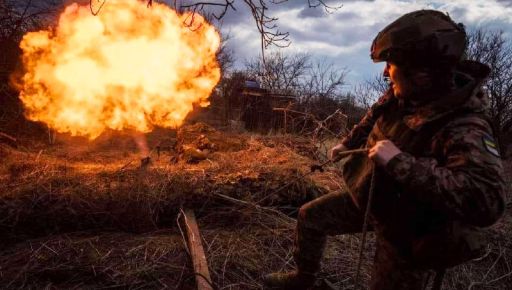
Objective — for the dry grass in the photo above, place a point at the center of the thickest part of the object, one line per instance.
(97, 260)
(67, 189)
(84, 215)
(97, 190)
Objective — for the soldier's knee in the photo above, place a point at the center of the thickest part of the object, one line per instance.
(304, 217)
(303, 212)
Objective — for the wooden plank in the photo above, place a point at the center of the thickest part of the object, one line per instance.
(197, 254)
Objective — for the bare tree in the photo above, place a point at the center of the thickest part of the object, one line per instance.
(19, 16)
(16, 18)
(316, 86)
(379, 84)
(297, 74)
(494, 49)
(283, 73)
(323, 80)
(211, 9)
(364, 95)
(367, 92)
(225, 55)
(266, 24)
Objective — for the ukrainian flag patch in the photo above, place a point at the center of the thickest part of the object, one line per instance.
(490, 146)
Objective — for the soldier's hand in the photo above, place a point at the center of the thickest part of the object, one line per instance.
(333, 153)
(383, 151)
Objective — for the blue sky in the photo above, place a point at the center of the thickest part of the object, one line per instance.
(344, 37)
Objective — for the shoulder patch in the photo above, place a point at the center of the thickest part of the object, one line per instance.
(490, 146)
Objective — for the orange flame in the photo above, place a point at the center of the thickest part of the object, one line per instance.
(130, 67)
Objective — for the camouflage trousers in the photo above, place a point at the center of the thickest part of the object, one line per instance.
(336, 214)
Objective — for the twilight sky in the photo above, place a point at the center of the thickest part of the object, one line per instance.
(344, 37)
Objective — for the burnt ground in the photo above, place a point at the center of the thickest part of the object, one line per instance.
(80, 214)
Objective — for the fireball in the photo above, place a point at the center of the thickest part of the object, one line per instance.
(129, 67)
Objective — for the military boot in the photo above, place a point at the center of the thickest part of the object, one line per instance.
(294, 280)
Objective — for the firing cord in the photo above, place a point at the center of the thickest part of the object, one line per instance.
(439, 274)
(364, 230)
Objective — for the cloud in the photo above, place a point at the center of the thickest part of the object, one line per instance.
(307, 12)
(478, 12)
(345, 36)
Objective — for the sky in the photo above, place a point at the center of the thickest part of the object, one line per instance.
(344, 36)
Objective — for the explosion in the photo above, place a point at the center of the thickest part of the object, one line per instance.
(129, 67)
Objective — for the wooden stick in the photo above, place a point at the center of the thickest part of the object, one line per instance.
(253, 205)
(348, 152)
(8, 139)
(203, 279)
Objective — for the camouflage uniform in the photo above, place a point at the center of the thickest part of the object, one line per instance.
(430, 200)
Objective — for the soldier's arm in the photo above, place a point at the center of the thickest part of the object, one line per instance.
(469, 185)
(360, 132)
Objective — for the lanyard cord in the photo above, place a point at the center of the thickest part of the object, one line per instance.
(364, 230)
(439, 275)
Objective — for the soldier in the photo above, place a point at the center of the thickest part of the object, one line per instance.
(438, 176)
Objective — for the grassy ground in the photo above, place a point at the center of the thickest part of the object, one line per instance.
(85, 215)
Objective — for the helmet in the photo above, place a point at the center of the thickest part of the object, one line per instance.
(420, 38)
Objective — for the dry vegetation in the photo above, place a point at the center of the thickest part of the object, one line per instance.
(84, 215)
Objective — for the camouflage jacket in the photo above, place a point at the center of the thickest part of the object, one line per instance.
(448, 180)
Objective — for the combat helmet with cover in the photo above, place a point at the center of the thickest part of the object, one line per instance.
(420, 38)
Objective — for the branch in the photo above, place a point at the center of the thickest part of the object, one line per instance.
(95, 13)
(328, 9)
(199, 7)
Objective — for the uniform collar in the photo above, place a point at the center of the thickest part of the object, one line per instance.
(466, 95)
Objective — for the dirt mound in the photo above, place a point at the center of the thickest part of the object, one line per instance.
(197, 134)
